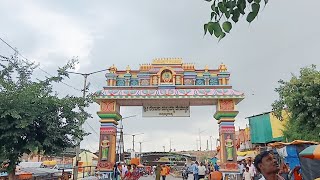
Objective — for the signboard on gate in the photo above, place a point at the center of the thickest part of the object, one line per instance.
(165, 111)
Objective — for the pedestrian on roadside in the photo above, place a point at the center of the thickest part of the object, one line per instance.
(195, 171)
(247, 175)
(116, 172)
(168, 169)
(128, 174)
(135, 172)
(124, 170)
(164, 172)
(241, 168)
(252, 169)
(202, 171)
(157, 172)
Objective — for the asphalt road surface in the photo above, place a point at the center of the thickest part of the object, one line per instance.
(169, 177)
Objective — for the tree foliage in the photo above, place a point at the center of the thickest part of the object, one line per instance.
(224, 12)
(301, 98)
(33, 116)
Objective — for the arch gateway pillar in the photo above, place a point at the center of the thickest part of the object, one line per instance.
(225, 115)
(170, 84)
(109, 117)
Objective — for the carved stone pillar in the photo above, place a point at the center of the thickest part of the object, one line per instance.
(109, 114)
(225, 115)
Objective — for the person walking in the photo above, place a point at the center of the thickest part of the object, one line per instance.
(157, 172)
(164, 172)
(241, 169)
(202, 171)
(124, 170)
(128, 173)
(116, 172)
(135, 172)
(252, 169)
(195, 171)
(247, 175)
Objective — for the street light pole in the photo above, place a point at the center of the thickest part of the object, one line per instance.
(85, 75)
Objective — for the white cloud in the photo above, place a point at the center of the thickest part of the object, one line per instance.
(57, 34)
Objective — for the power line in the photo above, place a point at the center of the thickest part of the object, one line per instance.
(29, 62)
(92, 129)
(88, 142)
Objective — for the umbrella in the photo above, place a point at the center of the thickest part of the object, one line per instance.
(312, 152)
(140, 166)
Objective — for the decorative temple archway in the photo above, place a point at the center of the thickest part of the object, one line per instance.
(167, 82)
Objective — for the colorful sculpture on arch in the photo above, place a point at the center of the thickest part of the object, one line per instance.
(105, 144)
(230, 147)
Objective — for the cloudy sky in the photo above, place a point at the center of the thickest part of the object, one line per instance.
(284, 38)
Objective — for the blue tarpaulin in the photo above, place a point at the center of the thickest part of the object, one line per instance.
(293, 156)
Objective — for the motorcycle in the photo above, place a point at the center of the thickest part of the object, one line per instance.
(184, 174)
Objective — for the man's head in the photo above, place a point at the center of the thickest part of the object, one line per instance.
(265, 163)
(249, 162)
(247, 169)
(129, 167)
(134, 166)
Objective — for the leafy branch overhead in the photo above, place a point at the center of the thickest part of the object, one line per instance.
(230, 9)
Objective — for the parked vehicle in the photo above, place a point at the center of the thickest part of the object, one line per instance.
(64, 169)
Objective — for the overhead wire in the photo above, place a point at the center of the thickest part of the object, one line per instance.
(88, 142)
(29, 62)
(92, 129)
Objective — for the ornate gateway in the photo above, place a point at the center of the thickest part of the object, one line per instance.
(167, 85)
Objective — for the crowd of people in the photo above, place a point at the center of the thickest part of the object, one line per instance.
(126, 172)
(202, 170)
(263, 167)
(132, 172)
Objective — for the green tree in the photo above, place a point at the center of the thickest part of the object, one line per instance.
(301, 98)
(224, 12)
(33, 116)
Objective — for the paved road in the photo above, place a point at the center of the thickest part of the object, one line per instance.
(170, 177)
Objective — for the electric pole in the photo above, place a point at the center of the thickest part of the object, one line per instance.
(211, 142)
(121, 143)
(133, 135)
(85, 75)
(200, 137)
(140, 150)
